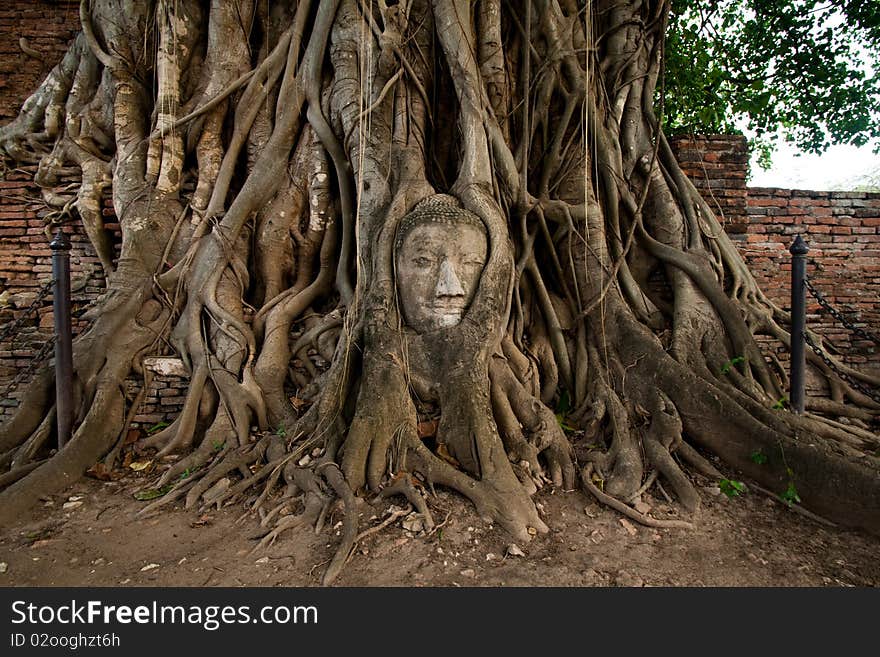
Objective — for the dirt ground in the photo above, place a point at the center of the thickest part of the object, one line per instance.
(751, 540)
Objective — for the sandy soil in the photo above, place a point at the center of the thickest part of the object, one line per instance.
(752, 540)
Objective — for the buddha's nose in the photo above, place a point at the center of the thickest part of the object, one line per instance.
(448, 284)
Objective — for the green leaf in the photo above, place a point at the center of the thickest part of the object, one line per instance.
(758, 457)
(790, 494)
(726, 367)
(563, 423)
(732, 487)
(156, 427)
(564, 404)
(152, 493)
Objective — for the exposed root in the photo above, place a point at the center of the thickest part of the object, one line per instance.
(628, 511)
(402, 485)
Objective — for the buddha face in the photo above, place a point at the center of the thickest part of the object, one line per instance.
(438, 270)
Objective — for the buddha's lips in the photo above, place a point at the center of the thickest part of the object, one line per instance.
(448, 307)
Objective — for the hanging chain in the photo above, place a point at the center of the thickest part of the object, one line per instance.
(16, 324)
(41, 355)
(45, 348)
(852, 381)
(836, 314)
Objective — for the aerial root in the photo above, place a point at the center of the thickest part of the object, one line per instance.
(333, 474)
(628, 511)
(403, 485)
(15, 474)
(313, 484)
(237, 460)
(517, 410)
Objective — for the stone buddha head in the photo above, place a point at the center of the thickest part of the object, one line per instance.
(440, 252)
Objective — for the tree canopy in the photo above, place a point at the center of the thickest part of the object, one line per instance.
(799, 70)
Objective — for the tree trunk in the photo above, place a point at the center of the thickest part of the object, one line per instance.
(452, 232)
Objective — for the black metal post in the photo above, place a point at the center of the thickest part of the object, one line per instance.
(63, 336)
(798, 252)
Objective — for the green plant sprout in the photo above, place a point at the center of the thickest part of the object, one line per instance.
(726, 367)
(732, 487)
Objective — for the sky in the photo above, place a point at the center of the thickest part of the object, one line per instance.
(839, 168)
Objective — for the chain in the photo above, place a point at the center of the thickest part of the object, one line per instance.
(39, 357)
(16, 324)
(836, 314)
(856, 385)
(41, 354)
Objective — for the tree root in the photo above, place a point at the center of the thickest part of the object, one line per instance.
(629, 512)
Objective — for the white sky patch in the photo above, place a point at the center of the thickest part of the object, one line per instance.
(839, 168)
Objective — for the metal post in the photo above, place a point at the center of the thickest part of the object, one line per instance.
(798, 252)
(63, 336)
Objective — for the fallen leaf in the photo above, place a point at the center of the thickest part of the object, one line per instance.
(202, 521)
(3, 567)
(149, 566)
(642, 507)
(428, 428)
(444, 454)
(628, 526)
(67, 506)
(133, 436)
(140, 465)
(513, 550)
(101, 472)
(414, 523)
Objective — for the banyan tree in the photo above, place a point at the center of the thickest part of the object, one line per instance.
(403, 239)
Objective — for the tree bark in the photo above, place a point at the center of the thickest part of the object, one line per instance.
(261, 184)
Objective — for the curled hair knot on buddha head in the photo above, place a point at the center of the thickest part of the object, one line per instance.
(438, 209)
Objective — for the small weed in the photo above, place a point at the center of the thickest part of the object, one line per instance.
(732, 487)
(562, 408)
(156, 427)
(780, 403)
(758, 457)
(563, 423)
(790, 495)
(153, 493)
(185, 474)
(218, 445)
(726, 367)
(280, 431)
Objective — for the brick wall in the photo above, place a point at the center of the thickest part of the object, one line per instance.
(47, 26)
(840, 227)
(718, 166)
(842, 230)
